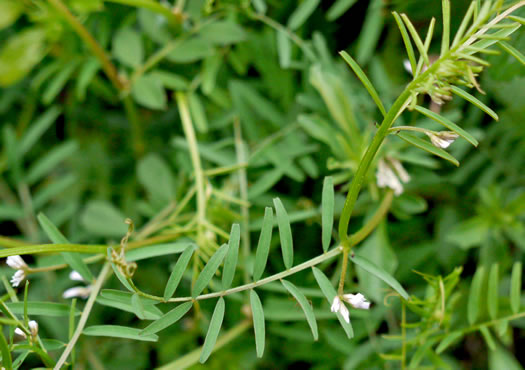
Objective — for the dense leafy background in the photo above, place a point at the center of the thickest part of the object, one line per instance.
(72, 150)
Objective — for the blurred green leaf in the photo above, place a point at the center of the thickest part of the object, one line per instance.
(115, 331)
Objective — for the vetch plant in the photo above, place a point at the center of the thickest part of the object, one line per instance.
(216, 269)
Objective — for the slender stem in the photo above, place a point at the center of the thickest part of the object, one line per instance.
(150, 5)
(11, 243)
(193, 357)
(189, 132)
(403, 336)
(85, 314)
(340, 290)
(84, 34)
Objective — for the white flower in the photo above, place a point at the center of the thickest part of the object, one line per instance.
(20, 333)
(338, 306)
(357, 301)
(386, 177)
(78, 291)
(16, 262)
(75, 276)
(18, 277)
(33, 327)
(400, 170)
(443, 139)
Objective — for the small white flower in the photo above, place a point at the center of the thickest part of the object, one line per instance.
(33, 327)
(20, 333)
(387, 178)
(443, 139)
(75, 276)
(18, 277)
(400, 170)
(357, 301)
(78, 291)
(16, 262)
(338, 306)
(407, 65)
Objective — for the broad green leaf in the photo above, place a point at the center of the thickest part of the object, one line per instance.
(515, 287)
(285, 233)
(72, 259)
(138, 308)
(301, 13)
(101, 218)
(258, 322)
(448, 124)
(210, 71)
(263, 247)
(40, 309)
(330, 293)
(117, 272)
(469, 233)
(284, 49)
(155, 251)
(380, 273)
(475, 305)
(20, 53)
(7, 361)
(178, 271)
(213, 330)
(127, 47)
(501, 359)
(364, 80)
(447, 341)
(37, 129)
(305, 305)
(154, 173)
(191, 50)
(512, 51)
(44, 165)
(168, 319)
(470, 98)
(327, 214)
(170, 80)
(223, 32)
(209, 270)
(427, 146)
(338, 8)
(115, 331)
(492, 291)
(230, 263)
(149, 92)
(406, 40)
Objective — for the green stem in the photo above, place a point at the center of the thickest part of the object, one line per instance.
(84, 34)
(360, 174)
(396, 129)
(85, 314)
(150, 5)
(191, 139)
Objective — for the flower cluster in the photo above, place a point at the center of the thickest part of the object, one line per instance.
(442, 139)
(17, 263)
(355, 300)
(78, 291)
(33, 328)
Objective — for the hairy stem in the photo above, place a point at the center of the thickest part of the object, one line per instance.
(85, 314)
(84, 34)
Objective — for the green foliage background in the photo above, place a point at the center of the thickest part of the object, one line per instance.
(88, 155)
